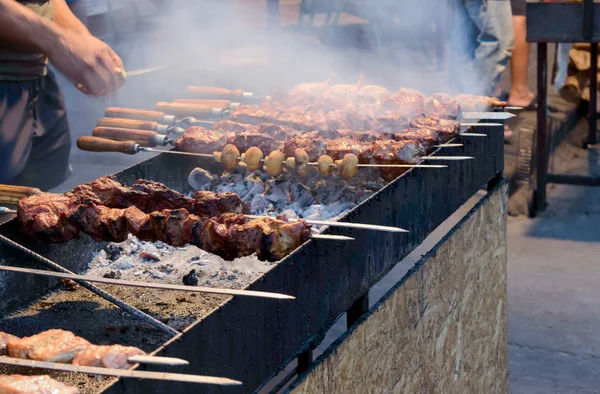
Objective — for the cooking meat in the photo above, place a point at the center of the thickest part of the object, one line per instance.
(443, 106)
(471, 103)
(263, 113)
(445, 129)
(302, 119)
(279, 132)
(339, 147)
(46, 216)
(427, 138)
(201, 140)
(348, 119)
(312, 90)
(228, 126)
(101, 222)
(4, 338)
(373, 93)
(37, 384)
(404, 102)
(168, 226)
(52, 345)
(159, 197)
(399, 152)
(114, 356)
(106, 190)
(215, 204)
(245, 140)
(392, 122)
(313, 146)
(233, 235)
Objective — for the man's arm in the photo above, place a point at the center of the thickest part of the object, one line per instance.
(21, 25)
(65, 18)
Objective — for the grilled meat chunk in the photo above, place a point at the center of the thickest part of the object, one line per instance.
(313, 146)
(228, 126)
(443, 106)
(168, 226)
(373, 93)
(37, 384)
(114, 356)
(201, 140)
(246, 140)
(100, 222)
(108, 191)
(52, 345)
(139, 223)
(266, 112)
(472, 103)
(426, 137)
(392, 122)
(160, 197)
(4, 338)
(445, 129)
(215, 204)
(302, 118)
(233, 235)
(351, 119)
(405, 101)
(339, 147)
(395, 152)
(46, 215)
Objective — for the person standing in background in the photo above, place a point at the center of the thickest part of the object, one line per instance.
(519, 95)
(34, 132)
(481, 42)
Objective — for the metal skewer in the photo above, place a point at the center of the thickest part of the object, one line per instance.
(150, 285)
(481, 124)
(343, 224)
(487, 115)
(122, 373)
(156, 360)
(447, 157)
(121, 304)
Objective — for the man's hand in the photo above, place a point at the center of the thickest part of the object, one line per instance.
(91, 63)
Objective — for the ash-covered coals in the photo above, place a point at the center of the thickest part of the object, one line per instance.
(313, 198)
(158, 262)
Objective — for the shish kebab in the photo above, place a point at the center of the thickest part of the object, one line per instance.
(275, 162)
(215, 222)
(63, 346)
(204, 204)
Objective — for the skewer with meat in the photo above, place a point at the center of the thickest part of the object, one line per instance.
(177, 226)
(64, 347)
(37, 384)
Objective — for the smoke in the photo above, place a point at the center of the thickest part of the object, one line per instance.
(228, 44)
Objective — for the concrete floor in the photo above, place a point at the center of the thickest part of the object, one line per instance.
(553, 305)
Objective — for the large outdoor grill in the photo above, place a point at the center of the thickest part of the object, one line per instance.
(253, 339)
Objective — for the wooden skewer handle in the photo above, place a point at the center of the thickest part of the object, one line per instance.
(128, 123)
(96, 144)
(222, 104)
(216, 93)
(139, 114)
(142, 137)
(10, 194)
(184, 110)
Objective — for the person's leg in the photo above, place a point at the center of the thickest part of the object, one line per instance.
(494, 42)
(520, 94)
(48, 164)
(16, 128)
(462, 47)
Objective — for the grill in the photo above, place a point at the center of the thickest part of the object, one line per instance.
(252, 339)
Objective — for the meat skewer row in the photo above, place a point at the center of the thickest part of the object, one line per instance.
(149, 196)
(63, 346)
(59, 218)
(388, 155)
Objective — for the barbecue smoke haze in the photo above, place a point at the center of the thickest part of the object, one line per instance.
(228, 44)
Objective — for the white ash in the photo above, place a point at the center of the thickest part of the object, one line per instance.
(313, 198)
(129, 260)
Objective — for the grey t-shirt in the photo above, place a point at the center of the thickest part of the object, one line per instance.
(20, 64)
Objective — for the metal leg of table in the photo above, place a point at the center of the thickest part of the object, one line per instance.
(542, 129)
(591, 140)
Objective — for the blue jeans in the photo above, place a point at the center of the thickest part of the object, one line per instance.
(482, 38)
